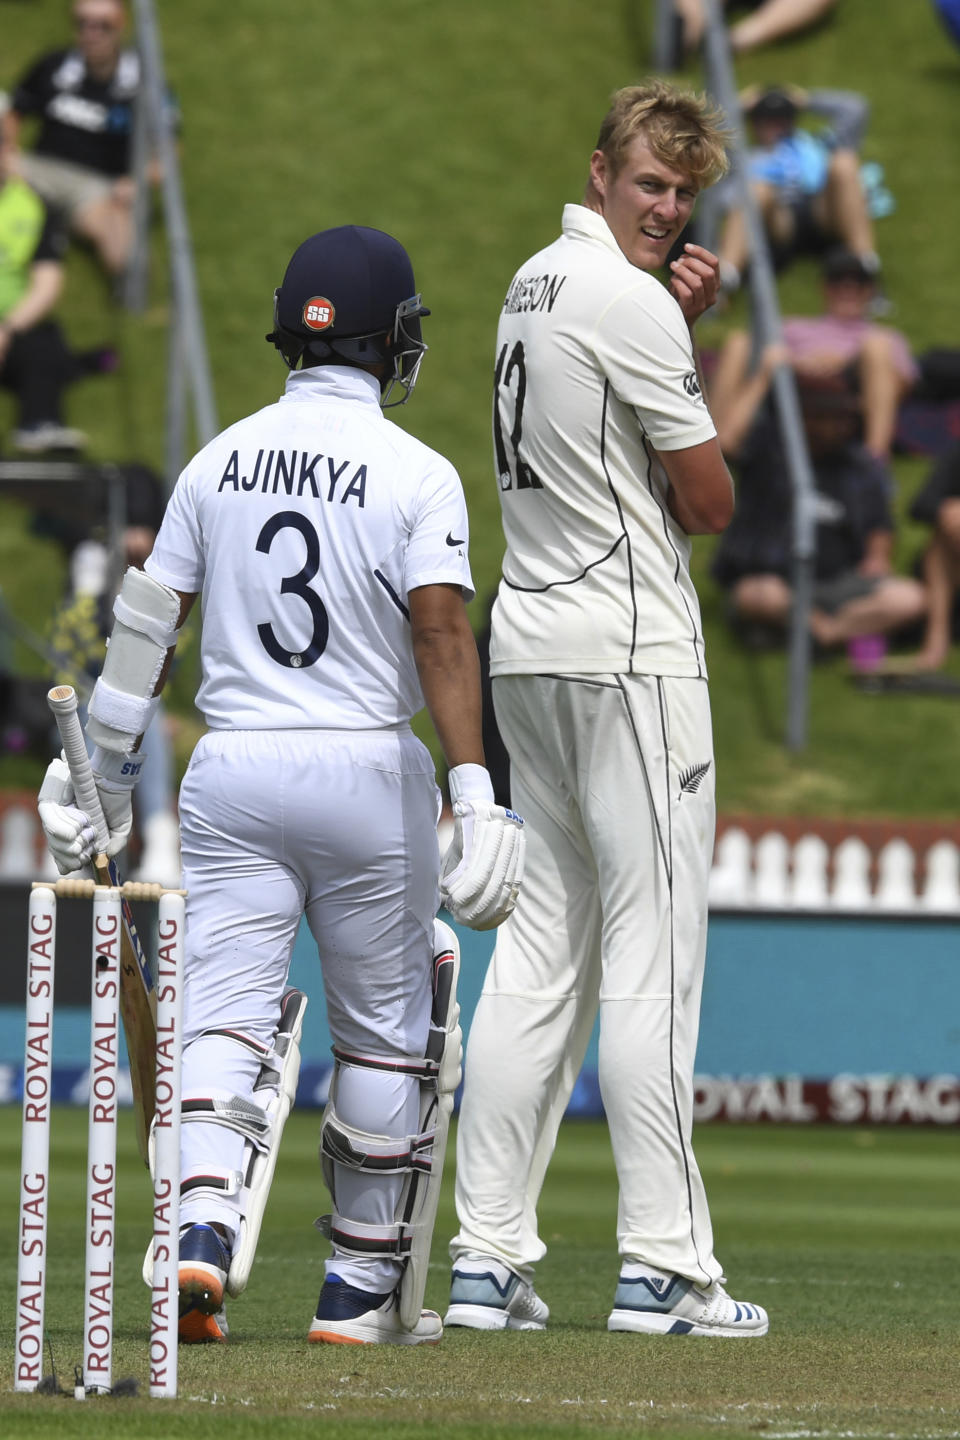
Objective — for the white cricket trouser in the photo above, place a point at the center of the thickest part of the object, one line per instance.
(341, 828)
(614, 777)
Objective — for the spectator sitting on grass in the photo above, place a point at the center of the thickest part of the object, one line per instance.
(807, 185)
(874, 362)
(769, 20)
(35, 362)
(855, 591)
(937, 504)
(83, 97)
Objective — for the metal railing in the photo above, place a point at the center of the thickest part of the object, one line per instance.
(188, 370)
(718, 66)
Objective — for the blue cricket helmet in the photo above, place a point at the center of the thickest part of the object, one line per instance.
(348, 297)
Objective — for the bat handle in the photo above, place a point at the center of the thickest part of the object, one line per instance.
(62, 700)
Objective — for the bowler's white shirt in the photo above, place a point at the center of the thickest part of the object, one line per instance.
(305, 526)
(596, 357)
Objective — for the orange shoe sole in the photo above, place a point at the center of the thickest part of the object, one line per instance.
(195, 1328)
(328, 1337)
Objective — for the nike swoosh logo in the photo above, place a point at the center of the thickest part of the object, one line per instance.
(451, 541)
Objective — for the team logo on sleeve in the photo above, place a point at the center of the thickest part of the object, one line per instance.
(318, 313)
(692, 385)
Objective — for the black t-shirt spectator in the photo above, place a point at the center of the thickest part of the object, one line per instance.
(83, 120)
(851, 503)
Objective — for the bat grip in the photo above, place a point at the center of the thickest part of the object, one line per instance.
(62, 700)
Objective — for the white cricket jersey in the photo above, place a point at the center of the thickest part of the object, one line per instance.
(594, 366)
(306, 526)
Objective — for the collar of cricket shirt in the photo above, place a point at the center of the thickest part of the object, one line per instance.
(332, 382)
(582, 223)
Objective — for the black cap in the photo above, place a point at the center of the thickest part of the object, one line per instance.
(846, 265)
(773, 104)
(344, 282)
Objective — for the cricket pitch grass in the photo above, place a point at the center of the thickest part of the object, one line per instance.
(850, 1238)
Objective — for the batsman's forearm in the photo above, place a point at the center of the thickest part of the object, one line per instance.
(449, 673)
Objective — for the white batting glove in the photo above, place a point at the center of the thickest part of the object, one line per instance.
(71, 839)
(482, 870)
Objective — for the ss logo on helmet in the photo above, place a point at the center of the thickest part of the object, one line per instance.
(318, 313)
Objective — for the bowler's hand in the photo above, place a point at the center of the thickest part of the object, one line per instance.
(695, 281)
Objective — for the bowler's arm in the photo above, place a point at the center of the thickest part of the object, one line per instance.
(700, 496)
(700, 493)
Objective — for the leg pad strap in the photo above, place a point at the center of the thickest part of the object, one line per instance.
(364, 1241)
(233, 1111)
(359, 1150)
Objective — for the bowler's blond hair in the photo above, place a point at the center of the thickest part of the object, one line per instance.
(684, 130)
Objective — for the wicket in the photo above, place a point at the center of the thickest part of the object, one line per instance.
(96, 1376)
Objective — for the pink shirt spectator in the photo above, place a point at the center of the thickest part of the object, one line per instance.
(808, 335)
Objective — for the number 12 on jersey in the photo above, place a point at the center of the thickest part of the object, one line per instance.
(519, 475)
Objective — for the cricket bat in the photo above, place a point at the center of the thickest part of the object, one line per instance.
(138, 998)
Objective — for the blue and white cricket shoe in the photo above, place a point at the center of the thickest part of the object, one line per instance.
(202, 1277)
(485, 1294)
(656, 1303)
(348, 1316)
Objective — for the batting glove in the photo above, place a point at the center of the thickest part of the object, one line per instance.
(482, 870)
(71, 838)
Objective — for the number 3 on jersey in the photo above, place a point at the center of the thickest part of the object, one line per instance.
(517, 475)
(299, 585)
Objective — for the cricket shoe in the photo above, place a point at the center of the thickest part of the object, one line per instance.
(195, 1328)
(485, 1294)
(657, 1303)
(203, 1269)
(348, 1316)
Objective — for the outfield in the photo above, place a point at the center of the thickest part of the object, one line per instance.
(849, 1237)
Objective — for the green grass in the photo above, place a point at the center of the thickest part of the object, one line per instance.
(849, 1237)
(463, 129)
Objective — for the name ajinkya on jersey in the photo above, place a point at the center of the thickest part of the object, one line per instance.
(280, 471)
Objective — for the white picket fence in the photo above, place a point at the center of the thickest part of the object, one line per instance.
(768, 872)
(771, 873)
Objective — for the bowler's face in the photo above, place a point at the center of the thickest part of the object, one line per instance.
(646, 204)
